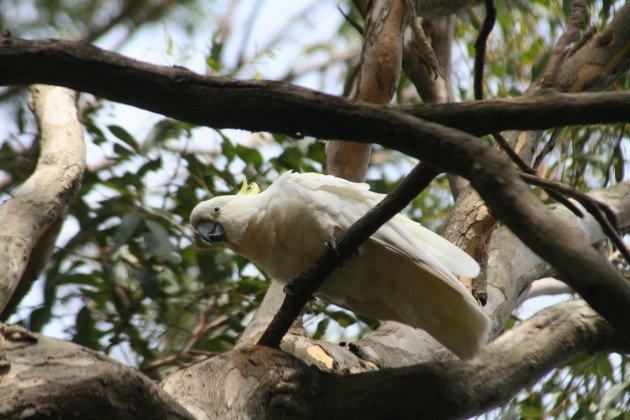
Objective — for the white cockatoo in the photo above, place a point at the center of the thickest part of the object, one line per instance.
(404, 272)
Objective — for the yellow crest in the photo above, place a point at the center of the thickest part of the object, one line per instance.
(248, 189)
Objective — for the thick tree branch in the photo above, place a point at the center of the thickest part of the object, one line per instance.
(39, 202)
(182, 94)
(266, 106)
(441, 389)
(546, 287)
(547, 110)
(515, 360)
(41, 377)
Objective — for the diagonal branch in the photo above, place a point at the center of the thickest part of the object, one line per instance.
(606, 218)
(304, 286)
(269, 106)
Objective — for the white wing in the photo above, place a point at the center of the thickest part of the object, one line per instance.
(406, 272)
(344, 202)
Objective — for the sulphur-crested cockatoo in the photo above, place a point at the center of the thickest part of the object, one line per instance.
(404, 272)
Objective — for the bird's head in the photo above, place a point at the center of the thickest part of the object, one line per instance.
(224, 219)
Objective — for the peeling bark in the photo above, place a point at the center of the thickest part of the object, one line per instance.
(378, 76)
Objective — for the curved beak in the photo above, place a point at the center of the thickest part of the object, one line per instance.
(211, 232)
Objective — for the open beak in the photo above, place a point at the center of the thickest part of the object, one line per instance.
(211, 232)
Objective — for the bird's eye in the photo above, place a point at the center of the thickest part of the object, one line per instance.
(217, 209)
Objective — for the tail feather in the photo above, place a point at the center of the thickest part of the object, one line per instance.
(413, 296)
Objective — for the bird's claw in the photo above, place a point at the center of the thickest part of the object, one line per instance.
(331, 245)
(290, 288)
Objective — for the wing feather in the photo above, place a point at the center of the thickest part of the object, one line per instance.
(345, 202)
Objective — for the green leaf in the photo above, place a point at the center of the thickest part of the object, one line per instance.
(321, 329)
(161, 131)
(84, 326)
(249, 155)
(291, 158)
(342, 318)
(157, 243)
(619, 163)
(227, 147)
(123, 135)
(125, 230)
(148, 282)
(38, 318)
(151, 166)
(613, 393)
(567, 6)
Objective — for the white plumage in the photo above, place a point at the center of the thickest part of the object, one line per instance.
(404, 272)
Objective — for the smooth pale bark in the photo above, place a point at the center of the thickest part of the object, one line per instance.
(40, 201)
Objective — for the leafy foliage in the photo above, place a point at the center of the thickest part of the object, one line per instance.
(129, 278)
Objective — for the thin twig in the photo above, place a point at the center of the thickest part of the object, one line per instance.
(304, 286)
(502, 142)
(352, 21)
(547, 148)
(480, 48)
(604, 215)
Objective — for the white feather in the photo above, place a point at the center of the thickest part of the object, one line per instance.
(404, 272)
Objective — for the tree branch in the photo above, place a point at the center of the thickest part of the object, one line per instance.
(179, 93)
(447, 389)
(579, 14)
(515, 360)
(268, 106)
(41, 377)
(606, 218)
(378, 74)
(39, 202)
(510, 269)
(480, 47)
(305, 286)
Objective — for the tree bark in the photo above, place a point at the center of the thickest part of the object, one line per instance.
(260, 382)
(41, 377)
(377, 80)
(40, 201)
